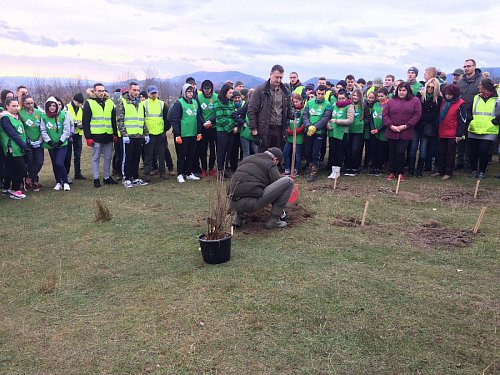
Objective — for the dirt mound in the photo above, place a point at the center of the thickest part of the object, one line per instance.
(342, 221)
(254, 222)
(433, 234)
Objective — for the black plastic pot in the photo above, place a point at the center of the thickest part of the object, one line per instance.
(215, 251)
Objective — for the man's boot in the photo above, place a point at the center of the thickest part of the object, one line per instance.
(411, 167)
(275, 222)
(313, 171)
(420, 167)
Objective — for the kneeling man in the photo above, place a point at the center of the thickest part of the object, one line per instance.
(257, 183)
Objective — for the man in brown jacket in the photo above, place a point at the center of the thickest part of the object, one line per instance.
(270, 109)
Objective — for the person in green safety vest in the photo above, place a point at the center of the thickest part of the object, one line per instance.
(55, 129)
(15, 147)
(483, 128)
(4, 95)
(207, 99)
(377, 133)
(31, 117)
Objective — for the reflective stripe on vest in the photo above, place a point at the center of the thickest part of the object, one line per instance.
(133, 121)
(482, 114)
(100, 123)
(76, 117)
(154, 116)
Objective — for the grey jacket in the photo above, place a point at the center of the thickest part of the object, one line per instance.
(469, 89)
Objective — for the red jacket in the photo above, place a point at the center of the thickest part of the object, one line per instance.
(450, 124)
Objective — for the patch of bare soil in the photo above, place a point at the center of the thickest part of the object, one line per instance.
(342, 221)
(254, 222)
(465, 196)
(433, 234)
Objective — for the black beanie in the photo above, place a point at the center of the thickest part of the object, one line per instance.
(276, 152)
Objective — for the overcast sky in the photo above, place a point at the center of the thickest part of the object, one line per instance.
(102, 39)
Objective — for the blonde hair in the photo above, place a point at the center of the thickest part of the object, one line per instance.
(437, 90)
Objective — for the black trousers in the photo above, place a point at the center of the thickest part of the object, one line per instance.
(338, 148)
(117, 162)
(156, 146)
(185, 155)
(208, 141)
(446, 159)
(234, 155)
(479, 152)
(224, 146)
(378, 150)
(67, 159)
(131, 158)
(274, 138)
(15, 169)
(354, 151)
(77, 154)
(397, 152)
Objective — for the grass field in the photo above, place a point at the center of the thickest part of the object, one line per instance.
(412, 292)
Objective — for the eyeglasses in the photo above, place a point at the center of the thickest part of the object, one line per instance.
(468, 66)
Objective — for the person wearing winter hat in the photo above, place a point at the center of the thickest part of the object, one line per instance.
(411, 76)
(483, 128)
(457, 75)
(55, 129)
(258, 183)
(238, 86)
(186, 125)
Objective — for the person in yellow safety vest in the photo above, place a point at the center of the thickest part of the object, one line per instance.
(483, 128)
(75, 110)
(155, 117)
(99, 127)
(134, 132)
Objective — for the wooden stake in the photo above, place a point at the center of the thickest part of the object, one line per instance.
(477, 188)
(397, 186)
(232, 230)
(364, 214)
(479, 219)
(335, 183)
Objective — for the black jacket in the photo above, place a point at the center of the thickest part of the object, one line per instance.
(87, 117)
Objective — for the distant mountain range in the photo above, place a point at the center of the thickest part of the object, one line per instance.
(218, 78)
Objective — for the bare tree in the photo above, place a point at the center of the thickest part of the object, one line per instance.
(151, 76)
(125, 77)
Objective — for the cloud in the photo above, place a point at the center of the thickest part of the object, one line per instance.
(16, 33)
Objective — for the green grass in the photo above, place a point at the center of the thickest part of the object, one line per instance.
(132, 296)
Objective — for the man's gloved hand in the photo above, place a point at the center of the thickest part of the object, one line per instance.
(90, 142)
(146, 139)
(115, 138)
(178, 140)
(126, 140)
(199, 137)
(311, 130)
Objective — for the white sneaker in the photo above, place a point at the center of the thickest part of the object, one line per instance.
(192, 177)
(180, 179)
(128, 184)
(66, 187)
(139, 182)
(58, 186)
(332, 175)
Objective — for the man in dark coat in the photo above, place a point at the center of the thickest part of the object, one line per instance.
(269, 110)
(257, 183)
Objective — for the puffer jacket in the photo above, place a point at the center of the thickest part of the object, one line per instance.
(469, 88)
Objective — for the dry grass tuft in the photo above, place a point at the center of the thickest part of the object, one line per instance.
(103, 212)
(48, 284)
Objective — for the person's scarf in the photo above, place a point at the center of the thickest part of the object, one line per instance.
(51, 114)
(343, 103)
(446, 107)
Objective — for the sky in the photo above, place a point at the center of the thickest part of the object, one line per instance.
(107, 40)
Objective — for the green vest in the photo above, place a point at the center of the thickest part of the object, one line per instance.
(153, 110)
(76, 117)
(133, 119)
(338, 130)
(100, 123)
(415, 88)
(31, 123)
(207, 106)
(189, 120)
(377, 120)
(332, 99)
(482, 114)
(7, 142)
(358, 125)
(316, 111)
(54, 127)
(245, 131)
(300, 137)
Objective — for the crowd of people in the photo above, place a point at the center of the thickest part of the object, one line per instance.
(405, 127)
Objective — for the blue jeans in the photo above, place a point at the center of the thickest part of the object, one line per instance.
(57, 156)
(287, 153)
(248, 147)
(419, 139)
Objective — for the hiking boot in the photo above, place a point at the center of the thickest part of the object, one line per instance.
(313, 172)
(110, 181)
(238, 220)
(275, 222)
(80, 177)
(97, 183)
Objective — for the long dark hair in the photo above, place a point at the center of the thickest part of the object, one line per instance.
(223, 91)
(407, 86)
